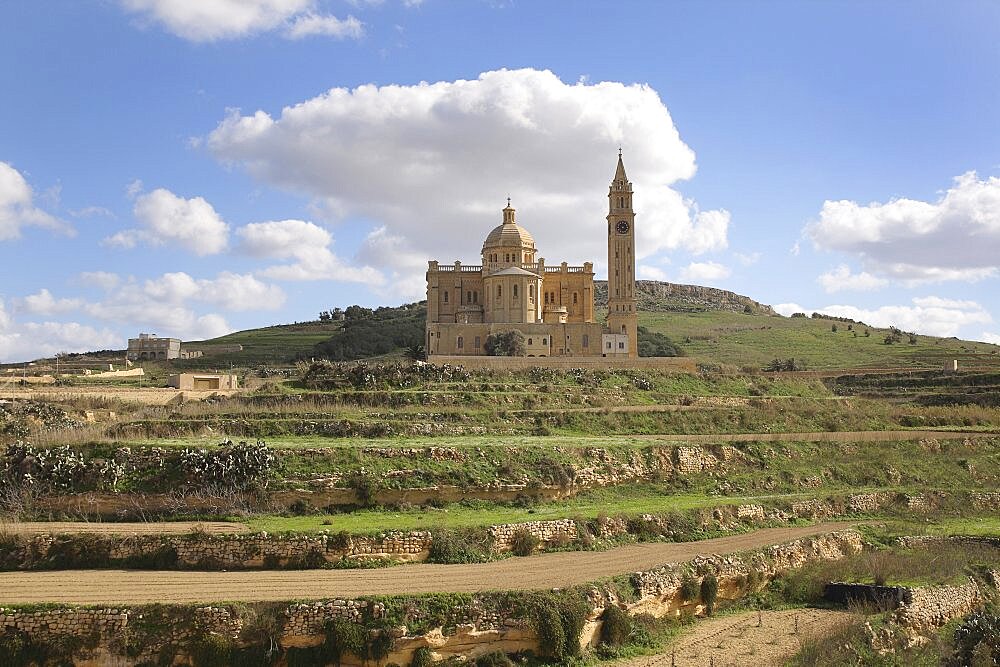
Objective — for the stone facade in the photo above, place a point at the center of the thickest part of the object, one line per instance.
(150, 347)
(551, 305)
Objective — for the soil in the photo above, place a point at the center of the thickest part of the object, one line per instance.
(735, 641)
(152, 528)
(559, 569)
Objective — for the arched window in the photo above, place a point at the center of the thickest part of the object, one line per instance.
(515, 291)
(499, 291)
(574, 298)
(529, 341)
(546, 297)
(468, 296)
(623, 328)
(545, 341)
(460, 342)
(475, 297)
(446, 297)
(586, 340)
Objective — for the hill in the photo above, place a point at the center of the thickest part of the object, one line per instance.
(655, 296)
(713, 326)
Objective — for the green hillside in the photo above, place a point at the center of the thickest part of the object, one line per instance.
(714, 327)
(753, 341)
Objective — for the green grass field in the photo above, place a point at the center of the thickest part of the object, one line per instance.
(752, 341)
(627, 501)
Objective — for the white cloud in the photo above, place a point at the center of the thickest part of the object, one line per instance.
(92, 211)
(310, 24)
(842, 279)
(433, 162)
(211, 20)
(100, 279)
(44, 303)
(710, 271)
(929, 315)
(988, 337)
(795, 249)
(17, 208)
(165, 305)
(30, 340)
(647, 272)
(230, 291)
(307, 245)
(747, 259)
(956, 237)
(166, 218)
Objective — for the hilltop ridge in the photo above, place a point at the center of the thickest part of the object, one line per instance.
(657, 296)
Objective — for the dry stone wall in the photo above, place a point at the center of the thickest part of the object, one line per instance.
(547, 532)
(925, 609)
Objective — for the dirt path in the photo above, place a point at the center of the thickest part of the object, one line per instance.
(820, 436)
(543, 571)
(735, 641)
(160, 528)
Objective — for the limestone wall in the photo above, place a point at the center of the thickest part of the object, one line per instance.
(547, 532)
(660, 590)
(928, 608)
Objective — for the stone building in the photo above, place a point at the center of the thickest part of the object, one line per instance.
(150, 347)
(203, 381)
(551, 305)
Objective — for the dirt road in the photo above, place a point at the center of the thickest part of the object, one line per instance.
(160, 528)
(550, 570)
(735, 641)
(821, 436)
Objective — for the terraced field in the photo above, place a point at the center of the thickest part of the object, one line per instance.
(308, 487)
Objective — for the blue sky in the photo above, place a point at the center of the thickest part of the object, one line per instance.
(192, 167)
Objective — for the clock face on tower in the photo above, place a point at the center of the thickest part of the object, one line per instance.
(622, 227)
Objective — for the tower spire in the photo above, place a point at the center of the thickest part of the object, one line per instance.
(620, 171)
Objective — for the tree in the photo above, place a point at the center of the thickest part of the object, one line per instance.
(416, 353)
(505, 344)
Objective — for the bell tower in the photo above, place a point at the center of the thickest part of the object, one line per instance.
(622, 316)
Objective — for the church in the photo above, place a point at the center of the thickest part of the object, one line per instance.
(551, 305)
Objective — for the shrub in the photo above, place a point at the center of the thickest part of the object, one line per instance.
(450, 547)
(523, 542)
(343, 636)
(211, 651)
(494, 659)
(689, 587)
(422, 657)
(240, 466)
(559, 620)
(617, 626)
(709, 592)
(977, 639)
(505, 344)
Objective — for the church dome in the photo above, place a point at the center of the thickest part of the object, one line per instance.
(509, 234)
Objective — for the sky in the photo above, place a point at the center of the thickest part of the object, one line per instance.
(195, 167)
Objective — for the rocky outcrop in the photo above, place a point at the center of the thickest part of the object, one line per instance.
(659, 296)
